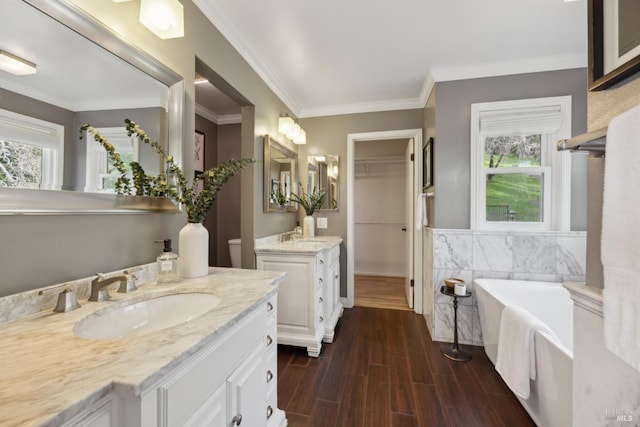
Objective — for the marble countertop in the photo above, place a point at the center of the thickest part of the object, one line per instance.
(297, 246)
(49, 375)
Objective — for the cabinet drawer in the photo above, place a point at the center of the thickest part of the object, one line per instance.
(272, 306)
(271, 373)
(320, 262)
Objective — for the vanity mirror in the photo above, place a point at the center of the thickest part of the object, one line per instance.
(280, 176)
(323, 175)
(85, 73)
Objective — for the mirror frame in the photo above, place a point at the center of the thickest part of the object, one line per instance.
(23, 201)
(269, 143)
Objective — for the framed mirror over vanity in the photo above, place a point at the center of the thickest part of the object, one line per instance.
(323, 175)
(280, 176)
(84, 73)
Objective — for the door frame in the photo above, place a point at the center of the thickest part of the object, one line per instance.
(352, 138)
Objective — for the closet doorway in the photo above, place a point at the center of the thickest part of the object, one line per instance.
(382, 243)
(381, 205)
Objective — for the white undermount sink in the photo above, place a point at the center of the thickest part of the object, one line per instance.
(145, 316)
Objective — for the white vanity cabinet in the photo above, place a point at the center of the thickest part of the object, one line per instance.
(332, 306)
(230, 381)
(309, 296)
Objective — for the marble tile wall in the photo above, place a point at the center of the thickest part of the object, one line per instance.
(467, 254)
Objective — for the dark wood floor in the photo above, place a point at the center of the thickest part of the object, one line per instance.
(383, 370)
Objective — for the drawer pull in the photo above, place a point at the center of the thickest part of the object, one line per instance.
(320, 279)
(269, 411)
(269, 376)
(269, 340)
(321, 299)
(237, 420)
(269, 307)
(321, 319)
(335, 277)
(321, 261)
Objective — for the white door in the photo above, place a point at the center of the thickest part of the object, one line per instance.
(409, 223)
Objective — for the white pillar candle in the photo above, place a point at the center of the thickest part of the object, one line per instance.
(460, 289)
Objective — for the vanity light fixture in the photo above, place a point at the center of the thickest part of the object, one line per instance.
(15, 65)
(165, 18)
(292, 130)
(285, 125)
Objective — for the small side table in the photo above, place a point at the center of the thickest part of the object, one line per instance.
(454, 353)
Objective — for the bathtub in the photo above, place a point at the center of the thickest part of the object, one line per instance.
(551, 399)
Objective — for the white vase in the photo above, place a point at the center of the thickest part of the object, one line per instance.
(194, 251)
(308, 227)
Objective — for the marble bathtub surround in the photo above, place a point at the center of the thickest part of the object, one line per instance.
(50, 375)
(467, 254)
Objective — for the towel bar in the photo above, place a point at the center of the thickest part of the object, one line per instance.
(593, 142)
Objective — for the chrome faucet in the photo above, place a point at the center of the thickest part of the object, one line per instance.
(100, 283)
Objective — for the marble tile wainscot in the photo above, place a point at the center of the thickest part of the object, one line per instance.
(467, 254)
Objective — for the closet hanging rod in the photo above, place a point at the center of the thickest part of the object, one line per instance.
(591, 141)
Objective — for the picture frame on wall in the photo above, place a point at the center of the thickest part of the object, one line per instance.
(198, 152)
(614, 42)
(427, 163)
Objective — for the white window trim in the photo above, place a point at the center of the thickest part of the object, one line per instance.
(96, 165)
(552, 116)
(40, 133)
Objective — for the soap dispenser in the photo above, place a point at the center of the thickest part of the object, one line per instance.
(167, 263)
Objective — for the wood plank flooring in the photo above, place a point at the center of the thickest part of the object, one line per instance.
(383, 370)
(380, 292)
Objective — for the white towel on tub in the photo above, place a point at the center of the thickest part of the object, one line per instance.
(620, 241)
(516, 360)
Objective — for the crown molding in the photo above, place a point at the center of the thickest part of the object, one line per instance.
(365, 107)
(504, 68)
(217, 17)
(228, 119)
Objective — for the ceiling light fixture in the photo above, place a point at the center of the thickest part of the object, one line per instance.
(15, 65)
(292, 130)
(165, 18)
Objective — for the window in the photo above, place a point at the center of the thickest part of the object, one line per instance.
(101, 175)
(519, 179)
(31, 152)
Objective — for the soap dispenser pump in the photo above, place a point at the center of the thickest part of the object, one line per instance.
(167, 263)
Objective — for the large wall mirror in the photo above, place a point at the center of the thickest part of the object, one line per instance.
(280, 176)
(323, 175)
(85, 73)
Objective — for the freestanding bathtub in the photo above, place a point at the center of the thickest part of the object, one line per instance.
(550, 402)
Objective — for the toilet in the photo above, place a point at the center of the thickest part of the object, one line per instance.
(235, 250)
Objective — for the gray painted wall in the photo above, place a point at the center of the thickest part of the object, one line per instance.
(452, 149)
(227, 203)
(328, 135)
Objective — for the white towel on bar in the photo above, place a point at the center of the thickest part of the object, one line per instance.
(620, 242)
(516, 361)
(421, 212)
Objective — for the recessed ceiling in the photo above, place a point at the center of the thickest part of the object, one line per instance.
(334, 57)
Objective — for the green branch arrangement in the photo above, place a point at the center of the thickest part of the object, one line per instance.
(312, 201)
(196, 204)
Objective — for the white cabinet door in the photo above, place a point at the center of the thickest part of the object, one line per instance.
(247, 390)
(213, 413)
